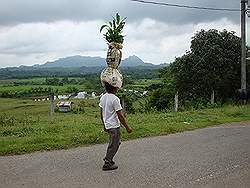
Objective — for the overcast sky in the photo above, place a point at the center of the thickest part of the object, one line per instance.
(36, 31)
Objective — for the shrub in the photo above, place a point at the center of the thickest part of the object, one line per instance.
(161, 99)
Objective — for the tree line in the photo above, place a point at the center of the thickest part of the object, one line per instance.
(212, 66)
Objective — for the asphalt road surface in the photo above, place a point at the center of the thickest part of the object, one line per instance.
(212, 157)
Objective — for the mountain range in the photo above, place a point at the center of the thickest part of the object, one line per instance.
(76, 66)
(87, 61)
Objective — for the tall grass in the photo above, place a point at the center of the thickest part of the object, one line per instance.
(25, 125)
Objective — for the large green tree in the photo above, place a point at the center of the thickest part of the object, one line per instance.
(212, 64)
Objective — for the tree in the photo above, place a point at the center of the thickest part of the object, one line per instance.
(65, 80)
(213, 64)
(53, 81)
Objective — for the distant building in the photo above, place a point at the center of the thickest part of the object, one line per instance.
(65, 106)
(61, 97)
(81, 95)
(93, 95)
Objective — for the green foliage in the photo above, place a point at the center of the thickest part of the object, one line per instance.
(66, 80)
(127, 99)
(212, 64)
(79, 107)
(72, 89)
(33, 72)
(53, 81)
(17, 92)
(34, 76)
(161, 98)
(31, 87)
(114, 29)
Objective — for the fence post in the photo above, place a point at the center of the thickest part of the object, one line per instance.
(123, 105)
(212, 97)
(52, 109)
(176, 102)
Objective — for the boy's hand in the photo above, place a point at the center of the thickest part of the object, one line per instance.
(129, 130)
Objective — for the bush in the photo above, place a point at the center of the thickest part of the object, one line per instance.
(161, 99)
(79, 107)
(128, 98)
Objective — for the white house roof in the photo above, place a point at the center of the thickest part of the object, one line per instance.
(64, 104)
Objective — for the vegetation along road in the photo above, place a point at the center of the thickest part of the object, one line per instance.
(25, 126)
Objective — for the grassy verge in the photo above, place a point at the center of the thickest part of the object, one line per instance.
(25, 126)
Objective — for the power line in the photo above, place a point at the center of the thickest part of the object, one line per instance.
(186, 6)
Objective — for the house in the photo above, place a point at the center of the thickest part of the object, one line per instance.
(93, 95)
(61, 97)
(144, 93)
(65, 106)
(81, 95)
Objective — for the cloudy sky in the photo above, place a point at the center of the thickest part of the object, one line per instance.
(36, 31)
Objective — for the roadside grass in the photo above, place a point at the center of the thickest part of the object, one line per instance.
(25, 125)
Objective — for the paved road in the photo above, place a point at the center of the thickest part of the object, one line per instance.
(211, 157)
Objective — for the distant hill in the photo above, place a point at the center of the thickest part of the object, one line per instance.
(87, 61)
(76, 61)
(134, 61)
(77, 66)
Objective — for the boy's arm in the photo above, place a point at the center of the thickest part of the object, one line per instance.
(123, 121)
(102, 120)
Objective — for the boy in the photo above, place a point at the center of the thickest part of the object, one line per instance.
(111, 116)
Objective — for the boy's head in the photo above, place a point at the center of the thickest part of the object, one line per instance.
(109, 88)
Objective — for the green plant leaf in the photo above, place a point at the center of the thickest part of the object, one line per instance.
(110, 24)
(118, 18)
(103, 26)
(123, 20)
(114, 25)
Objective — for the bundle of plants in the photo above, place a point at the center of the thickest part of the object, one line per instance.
(114, 37)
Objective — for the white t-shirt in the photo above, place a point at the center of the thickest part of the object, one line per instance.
(110, 104)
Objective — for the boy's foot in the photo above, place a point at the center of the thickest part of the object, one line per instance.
(107, 167)
(109, 162)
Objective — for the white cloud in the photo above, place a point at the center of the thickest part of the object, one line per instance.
(56, 37)
(158, 42)
(152, 40)
(27, 11)
(48, 41)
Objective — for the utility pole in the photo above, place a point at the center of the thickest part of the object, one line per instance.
(243, 44)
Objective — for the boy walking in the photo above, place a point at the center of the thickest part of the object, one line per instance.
(112, 116)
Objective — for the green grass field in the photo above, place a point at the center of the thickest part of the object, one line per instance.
(25, 126)
(34, 81)
(143, 83)
(60, 89)
(10, 82)
(9, 89)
